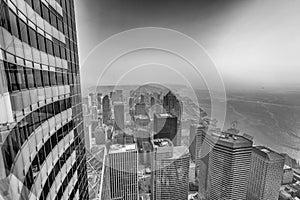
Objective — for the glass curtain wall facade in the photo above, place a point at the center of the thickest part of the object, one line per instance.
(42, 152)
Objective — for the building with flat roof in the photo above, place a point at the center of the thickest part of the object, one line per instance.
(170, 171)
(224, 165)
(123, 172)
(266, 174)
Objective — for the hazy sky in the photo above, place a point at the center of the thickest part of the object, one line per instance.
(251, 42)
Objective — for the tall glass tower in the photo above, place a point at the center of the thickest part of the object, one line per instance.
(42, 154)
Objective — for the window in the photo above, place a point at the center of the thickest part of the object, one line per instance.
(53, 78)
(48, 147)
(41, 155)
(29, 122)
(53, 19)
(10, 71)
(20, 78)
(59, 77)
(63, 52)
(60, 135)
(49, 46)
(3, 17)
(35, 167)
(38, 78)
(13, 24)
(50, 112)
(56, 49)
(56, 107)
(8, 159)
(23, 31)
(53, 140)
(45, 13)
(37, 6)
(32, 38)
(23, 134)
(29, 78)
(46, 78)
(35, 118)
(60, 25)
(43, 114)
(65, 77)
(41, 43)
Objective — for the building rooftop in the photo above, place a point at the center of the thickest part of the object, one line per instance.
(268, 153)
(162, 143)
(164, 115)
(141, 116)
(229, 139)
(119, 148)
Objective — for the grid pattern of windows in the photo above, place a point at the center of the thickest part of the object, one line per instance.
(23, 130)
(29, 77)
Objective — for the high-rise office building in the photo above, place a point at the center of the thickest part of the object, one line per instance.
(140, 109)
(42, 152)
(173, 106)
(165, 126)
(99, 101)
(119, 115)
(170, 171)
(266, 174)
(106, 111)
(225, 161)
(123, 172)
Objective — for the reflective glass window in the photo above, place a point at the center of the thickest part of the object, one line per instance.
(53, 78)
(29, 77)
(46, 80)
(41, 42)
(35, 167)
(13, 23)
(37, 6)
(38, 78)
(23, 31)
(59, 77)
(53, 19)
(49, 46)
(45, 13)
(56, 49)
(32, 38)
(3, 17)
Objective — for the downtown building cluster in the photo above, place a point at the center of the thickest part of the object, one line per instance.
(42, 153)
(229, 166)
(144, 158)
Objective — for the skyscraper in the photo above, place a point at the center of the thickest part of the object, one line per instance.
(99, 98)
(170, 171)
(140, 109)
(225, 161)
(123, 176)
(106, 112)
(175, 107)
(165, 126)
(119, 115)
(41, 123)
(266, 174)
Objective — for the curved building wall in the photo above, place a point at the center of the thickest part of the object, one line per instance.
(42, 152)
